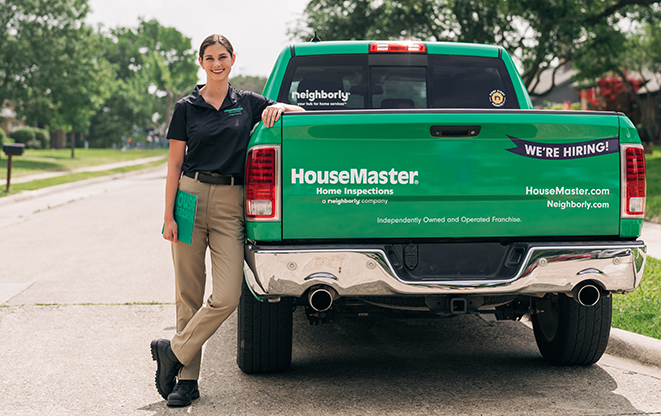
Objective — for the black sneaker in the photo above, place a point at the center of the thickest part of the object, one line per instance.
(167, 366)
(184, 393)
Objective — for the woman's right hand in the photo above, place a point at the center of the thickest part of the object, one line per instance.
(170, 230)
(175, 160)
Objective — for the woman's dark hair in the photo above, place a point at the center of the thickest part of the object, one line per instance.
(216, 39)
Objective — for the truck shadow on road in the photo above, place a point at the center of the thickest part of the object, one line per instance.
(383, 367)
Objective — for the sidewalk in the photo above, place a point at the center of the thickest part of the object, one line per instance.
(632, 346)
(97, 168)
(651, 235)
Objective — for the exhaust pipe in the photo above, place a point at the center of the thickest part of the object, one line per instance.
(586, 294)
(321, 298)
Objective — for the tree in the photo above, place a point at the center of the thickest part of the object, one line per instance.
(610, 93)
(249, 83)
(127, 107)
(644, 57)
(32, 29)
(621, 68)
(153, 67)
(130, 103)
(77, 86)
(541, 34)
(172, 65)
(49, 62)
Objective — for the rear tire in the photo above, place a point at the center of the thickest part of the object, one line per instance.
(570, 334)
(264, 338)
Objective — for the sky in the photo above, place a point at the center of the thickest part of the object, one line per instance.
(257, 29)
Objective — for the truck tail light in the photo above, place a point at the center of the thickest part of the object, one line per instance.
(262, 184)
(401, 47)
(634, 185)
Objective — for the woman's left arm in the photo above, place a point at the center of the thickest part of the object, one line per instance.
(272, 113)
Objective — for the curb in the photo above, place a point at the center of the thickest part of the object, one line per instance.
(25, 195)
(640, 348)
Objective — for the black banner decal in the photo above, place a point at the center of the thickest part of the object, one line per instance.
(563, 151)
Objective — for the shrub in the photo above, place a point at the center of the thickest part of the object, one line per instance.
(32, 138)
(33, 144)
(24, 135)
(43, 137)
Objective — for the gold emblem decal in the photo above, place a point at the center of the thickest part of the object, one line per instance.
(497, 98)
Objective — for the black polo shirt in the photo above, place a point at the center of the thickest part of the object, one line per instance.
(216, 140)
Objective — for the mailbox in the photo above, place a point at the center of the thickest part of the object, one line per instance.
(15, 149)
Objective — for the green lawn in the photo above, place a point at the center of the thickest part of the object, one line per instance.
(39, 161)
(640, 310)
(72, 177)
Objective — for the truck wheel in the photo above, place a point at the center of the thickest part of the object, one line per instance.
(570, 334)
(264, 334)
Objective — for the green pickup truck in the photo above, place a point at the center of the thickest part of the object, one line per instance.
(420, 182)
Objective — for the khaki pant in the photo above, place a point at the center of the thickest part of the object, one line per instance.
(219, 225)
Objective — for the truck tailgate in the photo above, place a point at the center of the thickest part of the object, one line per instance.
(436, 174)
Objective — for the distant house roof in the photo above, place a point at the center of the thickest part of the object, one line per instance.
(567, 90)
(564, 90)
(7, 113)
(653, 82)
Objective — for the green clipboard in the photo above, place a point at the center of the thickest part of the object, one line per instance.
(185, 206)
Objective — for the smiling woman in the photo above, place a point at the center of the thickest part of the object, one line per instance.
(216, 61)
(208, 135)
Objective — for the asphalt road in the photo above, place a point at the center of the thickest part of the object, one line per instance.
(87, 283)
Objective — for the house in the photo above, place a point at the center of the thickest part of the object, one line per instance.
(565, 89)
(8, 120)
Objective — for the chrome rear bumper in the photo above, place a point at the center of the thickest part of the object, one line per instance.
(366, 271)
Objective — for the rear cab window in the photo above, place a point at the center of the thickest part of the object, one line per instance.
(397, 81)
